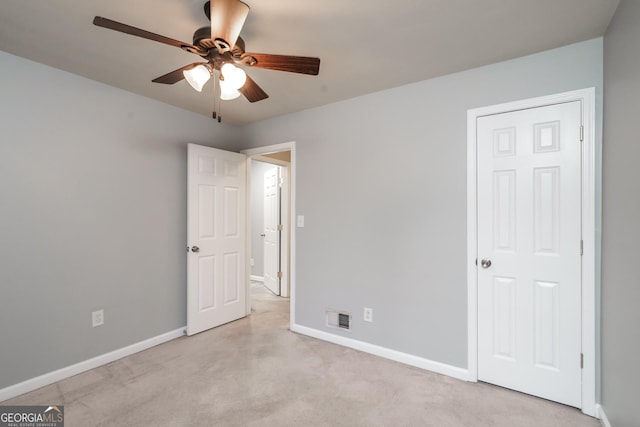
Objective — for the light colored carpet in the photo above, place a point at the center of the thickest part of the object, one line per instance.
(255, 372)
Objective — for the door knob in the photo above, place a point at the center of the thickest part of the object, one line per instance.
(195, 249)
(263, 235)
(485, 263)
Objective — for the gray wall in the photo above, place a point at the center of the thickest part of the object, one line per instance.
(381, 180)
(621, 224)
(92, 215)
(93, 207)
(257, 215)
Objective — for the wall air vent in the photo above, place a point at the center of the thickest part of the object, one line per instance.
(338, 319)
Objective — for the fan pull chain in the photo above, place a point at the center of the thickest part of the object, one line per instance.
(216, 97)
(218, 100)
(214, 94)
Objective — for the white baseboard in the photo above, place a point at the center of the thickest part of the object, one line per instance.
(256, 278)
(602, 416)
(69, 371)
(408, 359)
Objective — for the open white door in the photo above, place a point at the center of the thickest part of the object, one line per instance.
(272, 230)
(529, 250)
(216, 227)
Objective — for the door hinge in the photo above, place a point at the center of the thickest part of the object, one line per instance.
(280, 227)
(581, 360)
(581, 247)
(279, 274)
(581, 133)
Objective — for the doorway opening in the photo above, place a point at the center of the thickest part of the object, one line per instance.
(271, 184)
(268, 208)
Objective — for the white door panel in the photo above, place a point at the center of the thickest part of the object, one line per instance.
(271, 229)
(529, 228)
(216, 192)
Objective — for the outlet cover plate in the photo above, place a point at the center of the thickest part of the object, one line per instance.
(368, 314)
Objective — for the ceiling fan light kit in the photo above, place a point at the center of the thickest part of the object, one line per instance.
(197, 76)
(223, 49)
(234, 76)
(228, 93)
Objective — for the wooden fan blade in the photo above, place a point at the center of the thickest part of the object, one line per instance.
(128, 29)
(292, 64)
(227, 19)
(252, 91)
(176, 75)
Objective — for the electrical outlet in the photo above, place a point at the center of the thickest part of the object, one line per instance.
(97, 318)
(252, 262)
(368, 314)
(300, 221)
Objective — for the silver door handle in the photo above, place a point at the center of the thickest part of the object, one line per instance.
(195, 249)
(485, 263)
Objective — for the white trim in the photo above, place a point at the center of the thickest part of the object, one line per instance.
(589, 257)
(285, 146)
(587, 98)
(270, 149)
(407, 359)
(284, 238)
(78, 368)
(256, 278)
(270, 160)
(602, 416)
(472, 244)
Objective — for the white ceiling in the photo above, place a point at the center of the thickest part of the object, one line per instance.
(364, 45)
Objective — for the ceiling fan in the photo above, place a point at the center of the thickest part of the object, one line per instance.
(221, 48)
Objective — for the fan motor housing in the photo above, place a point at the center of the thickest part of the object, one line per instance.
(202, 38)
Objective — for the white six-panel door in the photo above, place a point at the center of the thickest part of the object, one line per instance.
(216, 224)
(529, 256)
(271, 230)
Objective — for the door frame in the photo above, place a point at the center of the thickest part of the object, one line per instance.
(255, 154)
(588, 287)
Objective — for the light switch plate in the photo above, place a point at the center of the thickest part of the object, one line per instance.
(97, 318)
(300, 221)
